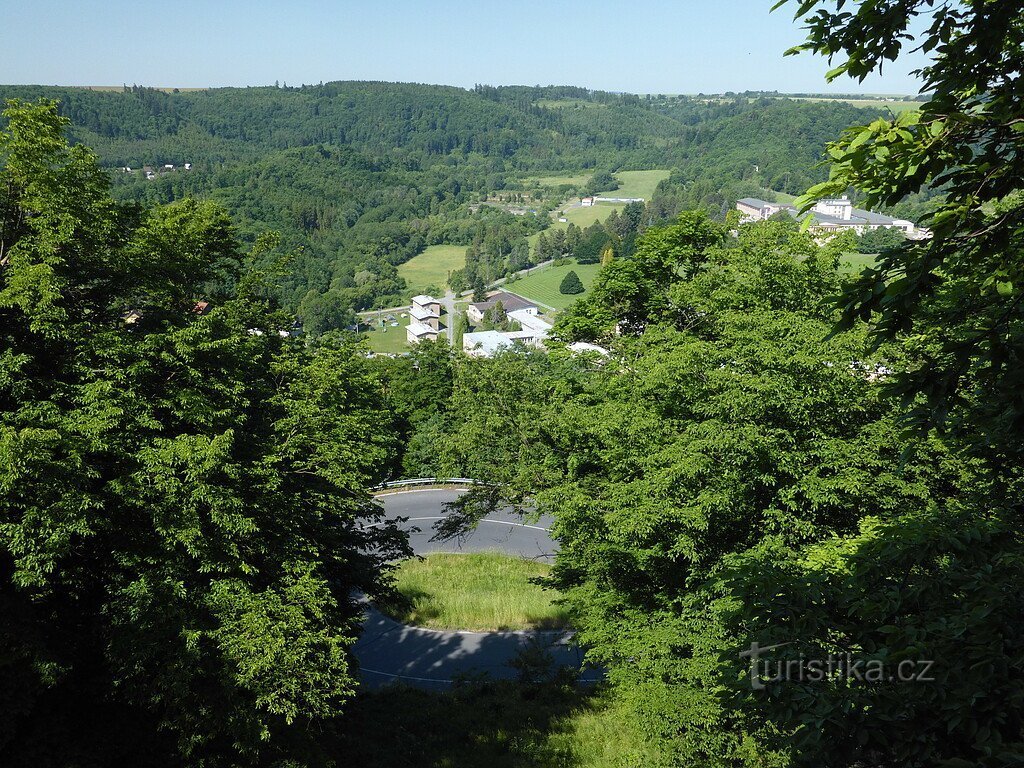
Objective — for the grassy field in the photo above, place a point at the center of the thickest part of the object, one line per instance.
(895, 106)
(557, 181)
(542, 286)
(388, 339)
(636, 183)
(852, 263)
(482, 592)
(431, 267)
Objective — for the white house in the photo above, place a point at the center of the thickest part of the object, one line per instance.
(587, 202)
(424, 319)
(509, 301)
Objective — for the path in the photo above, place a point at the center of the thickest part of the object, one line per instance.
(426, 658)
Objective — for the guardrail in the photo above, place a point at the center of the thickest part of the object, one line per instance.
(425, 481)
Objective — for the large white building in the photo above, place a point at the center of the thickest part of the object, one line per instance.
(533, 331)
(831, 216)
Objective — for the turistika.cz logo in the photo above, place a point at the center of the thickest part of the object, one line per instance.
(803, 669)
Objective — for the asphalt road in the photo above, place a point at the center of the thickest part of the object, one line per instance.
(426, 658)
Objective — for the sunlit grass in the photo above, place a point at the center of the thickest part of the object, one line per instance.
(479, 591)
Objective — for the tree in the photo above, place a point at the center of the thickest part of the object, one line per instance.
(960, 292)
(878, 240)
(183, 513)
(571, 284)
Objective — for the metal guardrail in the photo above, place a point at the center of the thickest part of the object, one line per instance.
(425, 481)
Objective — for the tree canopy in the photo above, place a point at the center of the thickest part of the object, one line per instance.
(183, 504)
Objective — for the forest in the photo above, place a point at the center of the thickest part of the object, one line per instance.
(359, 177)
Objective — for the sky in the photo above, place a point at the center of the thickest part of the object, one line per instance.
(644, 46)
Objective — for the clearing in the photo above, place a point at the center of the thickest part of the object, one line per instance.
(432, 267)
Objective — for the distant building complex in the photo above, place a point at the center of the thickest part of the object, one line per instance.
(832, 216)
(533, 329)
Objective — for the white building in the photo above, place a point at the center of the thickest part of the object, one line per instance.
(424, 319)
(832, 215)
(509, 302)
(534, 330)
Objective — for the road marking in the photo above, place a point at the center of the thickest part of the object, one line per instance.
(485, 520)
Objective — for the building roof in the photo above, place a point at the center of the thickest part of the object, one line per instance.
(754, 202)
(420, 329)
(530, 322)
(509, 301)
(487, 342)
(425, 299)
(422, 313)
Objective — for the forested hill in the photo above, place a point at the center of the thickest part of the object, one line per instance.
(358, 177)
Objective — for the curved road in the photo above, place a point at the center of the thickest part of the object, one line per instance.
(428, 658)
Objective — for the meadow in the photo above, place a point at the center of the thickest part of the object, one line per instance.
(432, 267)
(637, 183)
(387, 339)
(542, 286)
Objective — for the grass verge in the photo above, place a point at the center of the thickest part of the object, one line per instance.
(481, 591)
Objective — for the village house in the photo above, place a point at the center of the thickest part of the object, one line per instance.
(509, 301)
(424, 319)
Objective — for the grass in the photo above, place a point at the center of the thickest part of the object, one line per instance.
(851, 263)
(498, 724)
(431, 267)
(542, 286)
(481, 591)
(388, 339)
(636, 184)
(557, 181)
(895, 106)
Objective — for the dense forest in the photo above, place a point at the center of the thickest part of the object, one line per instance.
(359, 177)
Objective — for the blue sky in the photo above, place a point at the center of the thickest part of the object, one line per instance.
(655, 46)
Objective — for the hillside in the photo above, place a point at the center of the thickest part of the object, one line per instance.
(359, 177)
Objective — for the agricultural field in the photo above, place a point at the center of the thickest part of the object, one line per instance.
(542, 286)
(637, 183)
(431, 268)
(895, 106)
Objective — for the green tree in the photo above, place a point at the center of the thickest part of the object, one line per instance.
(571, 284)
(182, 496)
(960, 291)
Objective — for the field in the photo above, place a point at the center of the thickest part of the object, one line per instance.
(895, 106)
(637, 183)
(852, 263)
(480, 592)
(542, 286)
(388, 339)
(431, 267)
(557, 181)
